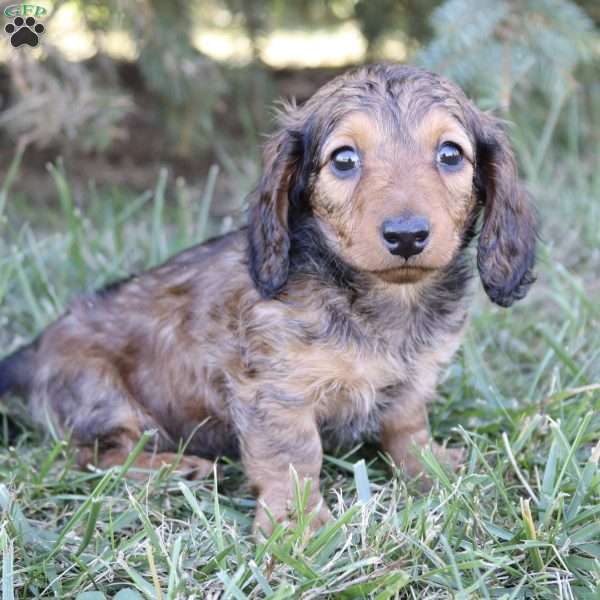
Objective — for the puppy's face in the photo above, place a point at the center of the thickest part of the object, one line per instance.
(394, 164)
(394, 190)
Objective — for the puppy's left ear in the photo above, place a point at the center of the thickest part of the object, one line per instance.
(506, 251)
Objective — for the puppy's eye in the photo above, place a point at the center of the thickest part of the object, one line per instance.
(344, 160)
(450, 155)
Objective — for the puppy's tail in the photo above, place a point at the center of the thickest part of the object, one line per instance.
(16, 370)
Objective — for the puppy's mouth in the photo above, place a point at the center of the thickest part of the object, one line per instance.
(403, 274)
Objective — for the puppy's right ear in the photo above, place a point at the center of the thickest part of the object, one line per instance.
(268, 235)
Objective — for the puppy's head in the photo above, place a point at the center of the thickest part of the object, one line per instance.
(394, 165)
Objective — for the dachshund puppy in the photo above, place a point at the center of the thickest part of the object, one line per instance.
(326, 320)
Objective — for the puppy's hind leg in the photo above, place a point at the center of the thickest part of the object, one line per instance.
(105, 422)
(190, 467)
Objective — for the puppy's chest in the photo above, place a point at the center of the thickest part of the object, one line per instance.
(352, 382)
(347, 398)
(343, 380)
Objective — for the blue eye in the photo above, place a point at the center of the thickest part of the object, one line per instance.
(344, 160)
(450, 155)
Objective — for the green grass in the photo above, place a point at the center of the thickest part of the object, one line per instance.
(521, 520)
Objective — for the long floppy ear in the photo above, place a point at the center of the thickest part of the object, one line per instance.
(506, 251)
(268, 235)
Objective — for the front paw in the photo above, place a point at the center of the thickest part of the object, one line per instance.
(275, 508)
(408, 460)
(452, 457)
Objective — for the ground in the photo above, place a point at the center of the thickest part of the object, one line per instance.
(520, 520)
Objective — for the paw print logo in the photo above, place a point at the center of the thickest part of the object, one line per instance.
(24, 31)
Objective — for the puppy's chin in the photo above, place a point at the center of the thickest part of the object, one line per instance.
(404, 275)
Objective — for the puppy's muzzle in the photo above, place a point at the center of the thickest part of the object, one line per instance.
(405, 236)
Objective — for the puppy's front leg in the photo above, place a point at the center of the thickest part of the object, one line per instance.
(405, 430)
(273, 437)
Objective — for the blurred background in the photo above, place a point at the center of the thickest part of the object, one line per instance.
(120, 87)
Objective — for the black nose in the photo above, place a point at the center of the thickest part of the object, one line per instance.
(405, 236)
